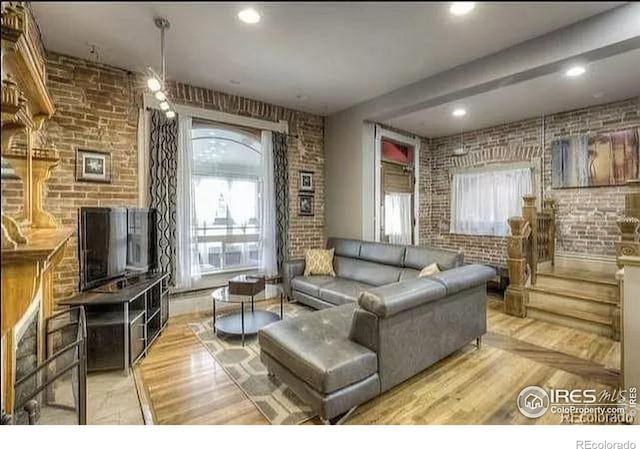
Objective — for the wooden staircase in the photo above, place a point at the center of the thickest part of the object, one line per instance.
(577, 295)
(578, 298)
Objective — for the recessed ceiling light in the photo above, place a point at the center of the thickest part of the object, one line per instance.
(460, 112)
(575, 71)
(461, 8)
(249, 15)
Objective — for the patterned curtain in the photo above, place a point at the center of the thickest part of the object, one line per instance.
(281, 187)
(163, 146)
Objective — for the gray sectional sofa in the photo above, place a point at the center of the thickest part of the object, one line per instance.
(381, 324)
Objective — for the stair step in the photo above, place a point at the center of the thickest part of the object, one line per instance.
(580, 315)
(543, 314)
(579, 275)
(573, 294)
(595, 311)
(595, 289)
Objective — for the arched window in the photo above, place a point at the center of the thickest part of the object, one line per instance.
(228, 185)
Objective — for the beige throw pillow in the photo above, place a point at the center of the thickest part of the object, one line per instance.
(429, 270)
(319, 262)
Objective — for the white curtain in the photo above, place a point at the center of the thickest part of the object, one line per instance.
(398, 218)
(187, 266)
(268, 248)
(483, 201)
(242, 201)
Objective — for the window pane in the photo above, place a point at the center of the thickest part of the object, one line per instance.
(228, 184)
(482, 202)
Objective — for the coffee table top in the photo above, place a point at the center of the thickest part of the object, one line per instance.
(270, 291)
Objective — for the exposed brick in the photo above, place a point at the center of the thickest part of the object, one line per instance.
(97, 108)
(586, 217)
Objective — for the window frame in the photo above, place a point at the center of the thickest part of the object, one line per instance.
(534, 166)
(229, 238)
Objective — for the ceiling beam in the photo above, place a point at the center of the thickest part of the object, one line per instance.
(604, 35)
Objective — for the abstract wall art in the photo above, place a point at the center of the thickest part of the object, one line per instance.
(596, 160)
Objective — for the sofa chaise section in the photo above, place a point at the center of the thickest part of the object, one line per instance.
(314, 355)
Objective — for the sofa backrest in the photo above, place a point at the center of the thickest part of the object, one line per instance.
(364, 271)
(377, 263)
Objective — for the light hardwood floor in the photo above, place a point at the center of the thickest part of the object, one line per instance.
(182, 383)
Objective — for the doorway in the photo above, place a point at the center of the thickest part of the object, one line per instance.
(396, 188)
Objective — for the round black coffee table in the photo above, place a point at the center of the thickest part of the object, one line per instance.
(250, 322)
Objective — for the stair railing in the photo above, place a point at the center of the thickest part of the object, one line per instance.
(532, 241)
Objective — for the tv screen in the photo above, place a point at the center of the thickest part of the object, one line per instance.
(102, 245)
(141, 240)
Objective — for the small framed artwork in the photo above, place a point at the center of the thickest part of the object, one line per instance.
(306, 181)
(305, 205)
(93, 166)
(7, 170)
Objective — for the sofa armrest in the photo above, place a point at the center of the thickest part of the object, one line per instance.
(392, 299)
(462, 278)
(291, 269)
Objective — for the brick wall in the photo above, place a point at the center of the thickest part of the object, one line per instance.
(586, 217)
(97, 109)
(94, 110)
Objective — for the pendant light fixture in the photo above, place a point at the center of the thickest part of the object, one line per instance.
(156, 83)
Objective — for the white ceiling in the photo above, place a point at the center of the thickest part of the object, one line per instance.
(607, 80)
(318, 57)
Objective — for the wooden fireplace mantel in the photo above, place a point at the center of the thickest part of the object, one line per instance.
(34, 242)
(25, 270)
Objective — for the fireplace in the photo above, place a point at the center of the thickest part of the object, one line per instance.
(26, 360)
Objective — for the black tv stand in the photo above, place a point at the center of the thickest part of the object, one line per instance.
(122, 323)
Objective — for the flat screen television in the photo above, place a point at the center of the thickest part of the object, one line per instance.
(113, 242)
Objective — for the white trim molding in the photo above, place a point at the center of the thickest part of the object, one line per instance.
(281, 126)
(380, 132)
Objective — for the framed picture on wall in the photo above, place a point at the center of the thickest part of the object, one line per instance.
(306, 181)
(605, 159)
(305, 205)
(93, 166)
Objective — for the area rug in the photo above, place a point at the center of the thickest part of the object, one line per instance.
(274, 399)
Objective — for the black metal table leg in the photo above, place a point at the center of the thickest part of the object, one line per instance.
(242, 319)
(281, 306)
(252, 303)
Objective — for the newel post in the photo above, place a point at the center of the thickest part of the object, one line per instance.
(514, 297)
